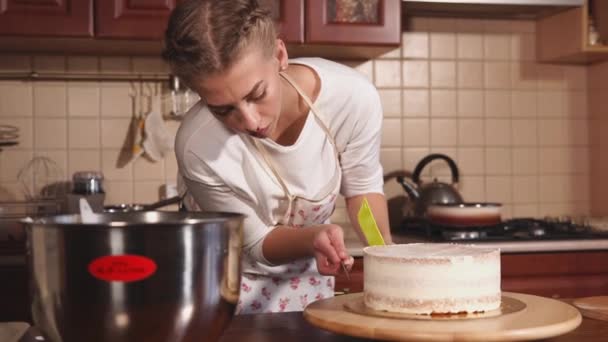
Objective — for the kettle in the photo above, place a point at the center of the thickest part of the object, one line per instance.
(435, 192)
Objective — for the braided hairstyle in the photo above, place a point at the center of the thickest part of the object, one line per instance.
(204, 37)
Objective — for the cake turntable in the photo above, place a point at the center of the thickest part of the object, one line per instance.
(540, 318)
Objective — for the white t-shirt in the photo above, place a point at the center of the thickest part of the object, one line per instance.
(224, 171)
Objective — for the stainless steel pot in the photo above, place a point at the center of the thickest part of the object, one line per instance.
(140, 276)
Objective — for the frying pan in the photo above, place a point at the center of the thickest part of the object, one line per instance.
(465, 214)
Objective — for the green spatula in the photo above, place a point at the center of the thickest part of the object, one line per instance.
(368, 225)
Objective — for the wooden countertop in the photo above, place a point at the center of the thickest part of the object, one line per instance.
(292, 327)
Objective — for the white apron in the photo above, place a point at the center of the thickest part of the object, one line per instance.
(292, 286)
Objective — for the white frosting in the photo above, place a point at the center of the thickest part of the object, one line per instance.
(432, 278)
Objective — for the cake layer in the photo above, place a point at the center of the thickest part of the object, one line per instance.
(424, 278)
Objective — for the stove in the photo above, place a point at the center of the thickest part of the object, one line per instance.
(517, 229)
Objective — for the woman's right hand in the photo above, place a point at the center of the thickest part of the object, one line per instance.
(329, 250)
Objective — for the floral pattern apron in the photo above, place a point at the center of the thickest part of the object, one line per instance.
(293, 286)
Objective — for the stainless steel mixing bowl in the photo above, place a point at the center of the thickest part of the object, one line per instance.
(137, 276)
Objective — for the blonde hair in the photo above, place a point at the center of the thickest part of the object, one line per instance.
(204, 37)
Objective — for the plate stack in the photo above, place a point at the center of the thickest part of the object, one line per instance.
(8, 136)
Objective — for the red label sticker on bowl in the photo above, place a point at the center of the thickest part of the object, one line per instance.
(125, 268)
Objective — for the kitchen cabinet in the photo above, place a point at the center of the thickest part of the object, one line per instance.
(134, 19)
(325, 28)
(565, 37)
(59, 18)
(557, 275)
(374, 22)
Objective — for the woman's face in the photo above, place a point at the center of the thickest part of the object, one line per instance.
(247, 96)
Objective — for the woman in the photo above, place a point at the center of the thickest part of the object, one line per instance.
(277, 140)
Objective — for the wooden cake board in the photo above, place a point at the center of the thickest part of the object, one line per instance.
(540, 318)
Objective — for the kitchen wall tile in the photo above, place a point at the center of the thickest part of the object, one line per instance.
(416, 102)
(443, 103)
(15, 62)
(391, 102)
(444, 132)
(550, 77)
(524, 132)
(469, 25)
(523, 104)
(415, 74)
(470, 74)
(443, 45)
(415, 45)
(439, 24)
(114, 132)
(391, 132)
(12, 162)
(26, 132)
(471, 161)
(575, 77)
(525, 210)
(497, 75)
(554, 160)
(579, 158)
(523, 26)
(523, 47)
(118, 192)
(551, 192)
(498, 161)
(412, 156)
(499, 189)
(578, 132)
(146, 192)
(84, 160)
(470, 46)
(391, 159)
(11, 191)
(84, 133)
(83, 64)
(550, 103)
(387, 73)
(16, 99)
(366, 68)
(50, 99)
(392, 54)
(497, 103)
(575, 104)
(443, 74)
(497, 26)
(471, 132)
(497, 47)
(470, 103)
(116, 100)
(149, 65)
(48, 63)
(171, 170)
(83, 99)
(552, 132)
(115, 64)
(440, 169)
(498, 132)
(525, 189)
(524, 75)
(57, 166)
(416, 132)
(109, 159)
(525, 160)
(50, 133)
(473, 188)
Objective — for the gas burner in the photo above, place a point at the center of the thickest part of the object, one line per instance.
(462, 235)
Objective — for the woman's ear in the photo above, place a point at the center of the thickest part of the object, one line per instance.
(281, 54)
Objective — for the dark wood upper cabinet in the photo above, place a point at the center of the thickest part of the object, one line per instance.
(132, 19)
(289, 17)
(370, 22)
(57, 18)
